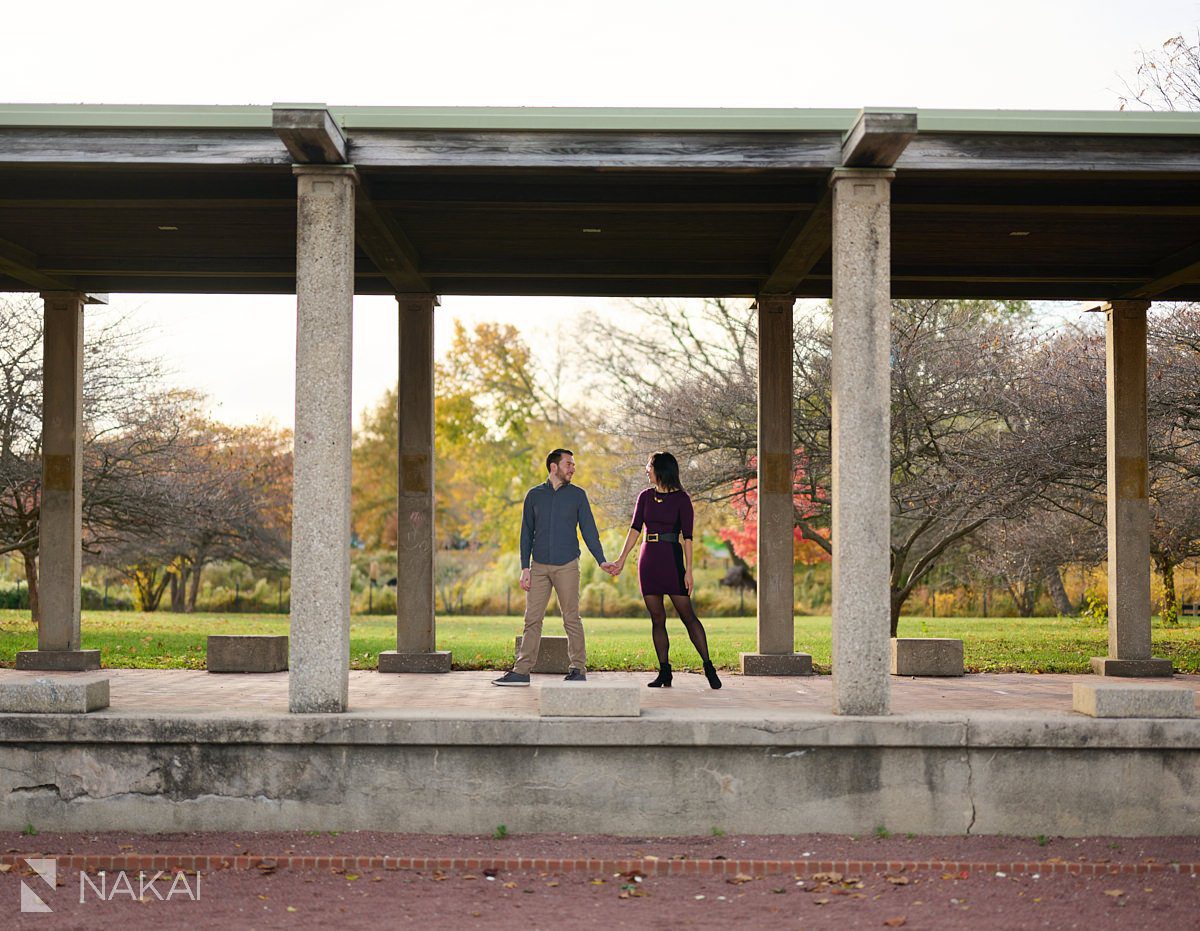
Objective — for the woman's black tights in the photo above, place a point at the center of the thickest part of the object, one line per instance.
(658, 625)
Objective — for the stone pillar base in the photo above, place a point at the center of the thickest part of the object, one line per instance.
(46, 695)
(552, 655)
(927, 656)
(247, 653)
(1131, 668)
(776, 664)
(59, 660)
(435, 661)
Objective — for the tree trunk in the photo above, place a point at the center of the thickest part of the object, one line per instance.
(742, 564)
(177, 590)
(194, 589)
(156, 594)
(31, 580)
(1058, 592)
(1170, 602)
(899, 596)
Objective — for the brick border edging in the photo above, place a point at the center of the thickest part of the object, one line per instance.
(646, 866)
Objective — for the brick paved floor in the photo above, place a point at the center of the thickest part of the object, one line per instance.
(472, 692)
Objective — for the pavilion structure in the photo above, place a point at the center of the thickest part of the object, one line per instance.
(857, 205)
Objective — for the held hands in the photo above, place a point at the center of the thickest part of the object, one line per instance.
(612, 568)
(525, 580)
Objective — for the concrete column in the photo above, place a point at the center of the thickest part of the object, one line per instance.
(416, 638)
(1128, 497)
(320, 621)
(60, 517)
(776, 596)
(861, 440)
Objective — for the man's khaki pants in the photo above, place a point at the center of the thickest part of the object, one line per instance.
(564, 580)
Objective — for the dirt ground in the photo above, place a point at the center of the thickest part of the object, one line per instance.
(369, 898)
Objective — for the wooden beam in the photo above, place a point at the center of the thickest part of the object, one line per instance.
(384, 241)
(593, 268)
(191, 266)
(1049, 211)
(310, 134)
(20, 263)
(1181, 268)
(738, 151)
(878, 138)
(198, 202)
(1054, 157)
(805, 243)
(128, 147)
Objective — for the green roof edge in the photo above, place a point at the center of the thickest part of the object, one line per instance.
(648, 119)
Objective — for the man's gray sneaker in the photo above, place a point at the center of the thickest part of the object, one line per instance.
(575, 675)
(511, 678)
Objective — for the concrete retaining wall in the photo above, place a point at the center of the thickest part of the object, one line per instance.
(683, 774)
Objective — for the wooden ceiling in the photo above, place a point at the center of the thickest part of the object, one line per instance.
(1048, 214)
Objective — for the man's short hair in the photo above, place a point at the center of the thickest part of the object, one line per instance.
(556, 455)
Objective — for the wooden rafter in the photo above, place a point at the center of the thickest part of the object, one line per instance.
(804, 244)
(1181, 268)
(20, 263)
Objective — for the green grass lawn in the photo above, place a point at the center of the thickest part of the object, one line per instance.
(176, 641)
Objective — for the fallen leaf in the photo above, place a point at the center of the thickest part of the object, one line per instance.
(379, 879)
(827, 877)
(820, 901)
(552, 885)
(599, 882)
(5, 867)
(898, 922)
(897, 880)
(510, 885)
(469, 876)
(350, 877)
(739, 879)
(292, 908)
(779, 891)
(1115, 893)
(263, 897)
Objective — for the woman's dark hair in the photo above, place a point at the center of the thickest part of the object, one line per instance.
(666, 470)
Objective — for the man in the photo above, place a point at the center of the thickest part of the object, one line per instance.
(550, 560)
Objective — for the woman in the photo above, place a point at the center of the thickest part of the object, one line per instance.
(665, 562)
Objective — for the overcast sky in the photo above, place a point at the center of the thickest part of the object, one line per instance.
(1050, 54)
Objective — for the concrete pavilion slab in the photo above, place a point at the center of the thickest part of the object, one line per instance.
(471, 692)
(992, 754)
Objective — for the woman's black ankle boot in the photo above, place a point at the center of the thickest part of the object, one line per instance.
(711, 671)
(664, 677)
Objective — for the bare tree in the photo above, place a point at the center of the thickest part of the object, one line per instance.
(229, 491)
(966, 446)
(1027, 554)
(1166, 78)
(130, 428)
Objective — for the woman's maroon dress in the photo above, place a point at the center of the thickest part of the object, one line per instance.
(660, 564)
